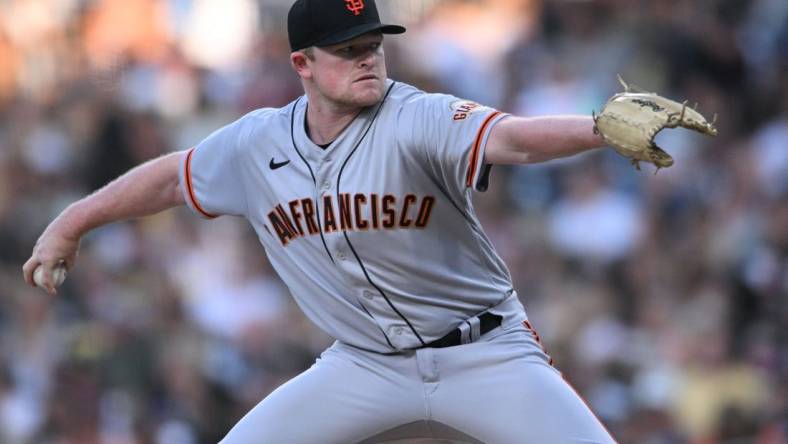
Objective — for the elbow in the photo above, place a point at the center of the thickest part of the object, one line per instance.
(538, 156)
(172, 189)
(176, 195)
(524, 157)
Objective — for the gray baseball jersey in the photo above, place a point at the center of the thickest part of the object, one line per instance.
(376, 238)
(375, 235)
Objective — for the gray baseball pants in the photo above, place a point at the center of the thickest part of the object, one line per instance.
(500, 389)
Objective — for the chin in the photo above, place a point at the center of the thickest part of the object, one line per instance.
(369, 96)
(369, 101)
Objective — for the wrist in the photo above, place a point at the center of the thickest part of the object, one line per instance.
(72, 222)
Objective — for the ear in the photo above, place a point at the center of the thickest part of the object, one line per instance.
(300, 63)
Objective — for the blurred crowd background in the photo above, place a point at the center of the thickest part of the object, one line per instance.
(663, 298)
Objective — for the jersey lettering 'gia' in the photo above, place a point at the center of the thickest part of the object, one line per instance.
(375, 235)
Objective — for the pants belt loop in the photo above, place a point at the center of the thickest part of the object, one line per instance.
(476, 327)
(465, 333)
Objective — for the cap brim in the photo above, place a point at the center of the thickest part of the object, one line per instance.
(351, 33)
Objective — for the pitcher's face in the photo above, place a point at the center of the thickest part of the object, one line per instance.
(352, 73)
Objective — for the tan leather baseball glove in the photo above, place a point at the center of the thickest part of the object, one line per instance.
(630, 120)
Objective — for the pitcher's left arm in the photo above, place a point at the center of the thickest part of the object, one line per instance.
(519, 140)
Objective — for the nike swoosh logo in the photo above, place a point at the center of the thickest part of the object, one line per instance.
(276, 165)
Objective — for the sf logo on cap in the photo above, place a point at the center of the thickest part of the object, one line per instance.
(355, 6)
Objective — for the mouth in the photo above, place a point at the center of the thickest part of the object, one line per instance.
(367, 77)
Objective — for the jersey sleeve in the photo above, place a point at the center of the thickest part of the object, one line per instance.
(451, 134)
(210, 179)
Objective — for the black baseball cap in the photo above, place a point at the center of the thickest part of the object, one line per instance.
(328, 22)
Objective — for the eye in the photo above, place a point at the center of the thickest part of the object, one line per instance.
(345, 50)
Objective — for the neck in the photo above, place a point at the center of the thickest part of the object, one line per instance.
(326, 120)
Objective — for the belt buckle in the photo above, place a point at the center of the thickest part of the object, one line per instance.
(469, 330)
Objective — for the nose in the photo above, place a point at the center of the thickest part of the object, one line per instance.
(366, 62)
(367, 59)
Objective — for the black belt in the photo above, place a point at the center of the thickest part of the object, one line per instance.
(487, 322)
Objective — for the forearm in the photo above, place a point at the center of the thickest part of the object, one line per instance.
(146, 189)
(536, 139)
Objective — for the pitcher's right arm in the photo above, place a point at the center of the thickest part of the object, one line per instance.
(144, 190)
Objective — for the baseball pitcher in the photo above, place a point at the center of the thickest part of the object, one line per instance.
(360, 193)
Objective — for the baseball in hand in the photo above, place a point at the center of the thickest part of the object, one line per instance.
(58, 275)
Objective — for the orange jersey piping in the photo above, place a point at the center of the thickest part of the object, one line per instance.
(477, 147)
(190, 188)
